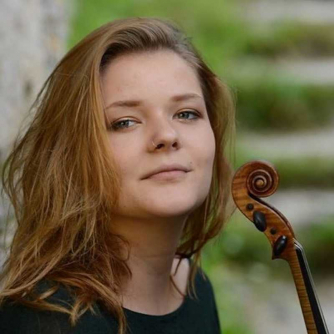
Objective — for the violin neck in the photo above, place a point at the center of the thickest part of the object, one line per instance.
(314, 319)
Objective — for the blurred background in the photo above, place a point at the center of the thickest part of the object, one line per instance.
(278, 58)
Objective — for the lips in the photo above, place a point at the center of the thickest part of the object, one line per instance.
(167, 168)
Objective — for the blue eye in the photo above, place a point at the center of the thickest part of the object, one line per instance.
(126, 123)
(193, 115)
(122, 124)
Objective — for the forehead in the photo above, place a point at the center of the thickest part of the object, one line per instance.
(139, 74)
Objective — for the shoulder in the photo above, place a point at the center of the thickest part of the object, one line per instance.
(16, 318)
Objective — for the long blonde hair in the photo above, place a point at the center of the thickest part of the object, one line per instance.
(63, 184)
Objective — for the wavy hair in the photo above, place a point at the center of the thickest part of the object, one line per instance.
(63, 183)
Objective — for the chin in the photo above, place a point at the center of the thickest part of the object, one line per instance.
(173, 208)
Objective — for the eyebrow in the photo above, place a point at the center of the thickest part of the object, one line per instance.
(136, 103)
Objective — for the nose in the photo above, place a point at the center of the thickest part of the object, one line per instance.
(165, 137)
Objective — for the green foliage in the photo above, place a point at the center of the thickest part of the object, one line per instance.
(240, 243)
(290, 39)
(318, 243)
(243, 246)
(209, 27)
(281, 104)
(230, 306)
(306, 172)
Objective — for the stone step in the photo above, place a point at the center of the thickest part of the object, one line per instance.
(303, 207)
(302, 71)
(266, 303)
(311, 71)
(279, 308)
(312, 12)
(317, 143)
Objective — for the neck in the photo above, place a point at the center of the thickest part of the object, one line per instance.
(152, 261)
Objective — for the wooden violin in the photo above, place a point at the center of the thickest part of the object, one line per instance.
(258, 179)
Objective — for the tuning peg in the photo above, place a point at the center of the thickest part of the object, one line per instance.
(260, 220)
(280, 245)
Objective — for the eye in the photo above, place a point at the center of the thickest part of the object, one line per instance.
(189, 115)
(122, 124)
(127, 123)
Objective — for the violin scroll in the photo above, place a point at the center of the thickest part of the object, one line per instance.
(262, 180)
(259, 178)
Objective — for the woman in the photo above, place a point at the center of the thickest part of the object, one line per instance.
(120, 179)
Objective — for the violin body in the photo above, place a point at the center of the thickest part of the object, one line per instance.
(251, 182)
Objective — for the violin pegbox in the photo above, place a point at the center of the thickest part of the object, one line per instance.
(252, 181)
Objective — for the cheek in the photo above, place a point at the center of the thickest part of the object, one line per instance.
(208, 149)
(122, 160)
(208, 154)
(210, 157)
(213, 146)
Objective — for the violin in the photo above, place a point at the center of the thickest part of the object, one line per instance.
(251, 182)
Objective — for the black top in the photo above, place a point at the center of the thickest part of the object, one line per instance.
(195, 316)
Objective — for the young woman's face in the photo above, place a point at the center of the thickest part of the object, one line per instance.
(156, 98)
